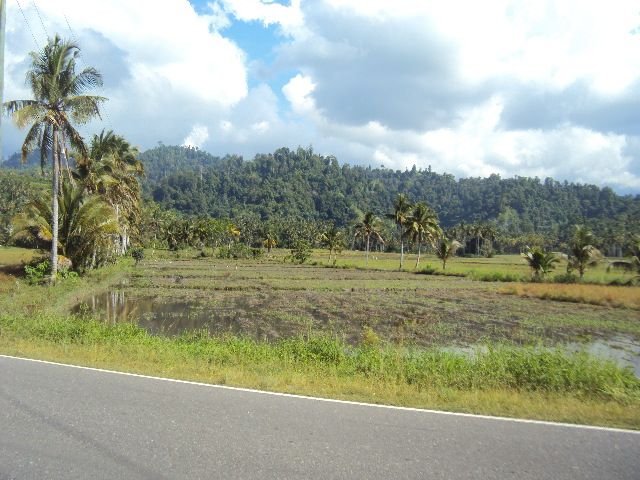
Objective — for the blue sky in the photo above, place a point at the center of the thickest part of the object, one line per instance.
(512, 87)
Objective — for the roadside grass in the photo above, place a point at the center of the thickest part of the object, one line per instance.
(501, 380)
(608, 296)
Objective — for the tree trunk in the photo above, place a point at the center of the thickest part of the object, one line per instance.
(366, 262)
(418, 260)
(401, 249)
(55, 187)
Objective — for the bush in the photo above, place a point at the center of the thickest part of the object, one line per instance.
(138, 254)
(37, 270)
(565, 278)
(236, 251)
(496, 277)
(301, 251)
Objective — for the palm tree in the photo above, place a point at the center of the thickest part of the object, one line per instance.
(367, 228)
(477, 230)
(58, 101)
(333, 239)
(400, 215)
(489, 233)
(582, 252)
(541, 262)
(270, 241)
(86, 225)
(422, 227)
(111, 169)
(445, 248)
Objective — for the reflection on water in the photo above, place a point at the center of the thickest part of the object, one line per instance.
(170, 317)
(175, 317)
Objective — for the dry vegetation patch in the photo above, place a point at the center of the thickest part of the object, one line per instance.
(611, 296)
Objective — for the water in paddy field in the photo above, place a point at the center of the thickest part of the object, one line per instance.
(163, 317)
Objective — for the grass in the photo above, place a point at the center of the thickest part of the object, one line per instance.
(530, 382)
(368, 335)
(609, 296)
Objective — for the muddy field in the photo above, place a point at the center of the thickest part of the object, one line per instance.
(270, 300)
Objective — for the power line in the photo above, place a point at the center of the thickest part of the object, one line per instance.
(40, 17)
(28, 25)
(74, 40)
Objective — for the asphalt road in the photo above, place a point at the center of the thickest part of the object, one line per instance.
(60, 422)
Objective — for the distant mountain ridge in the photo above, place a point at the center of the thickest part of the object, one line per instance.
(303, 184)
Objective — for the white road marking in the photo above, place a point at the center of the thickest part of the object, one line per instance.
(330, 400)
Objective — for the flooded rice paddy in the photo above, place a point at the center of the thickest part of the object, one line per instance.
(271, 300)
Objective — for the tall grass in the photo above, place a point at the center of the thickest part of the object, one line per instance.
(501, 367)
(626, 297)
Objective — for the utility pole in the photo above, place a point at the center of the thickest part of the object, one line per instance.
(3, 17)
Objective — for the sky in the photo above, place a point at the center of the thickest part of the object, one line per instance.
(544, 88)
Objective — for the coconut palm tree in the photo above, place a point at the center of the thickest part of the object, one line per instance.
(86, 225)
(270, 241)
(59, 101)
(112, 169)
(582, 252)
(400, 215)
(333, 239)
(422, 227)
(539, 261)
(445, 248)
(367, 228)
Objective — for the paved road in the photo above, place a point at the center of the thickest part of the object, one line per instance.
(59, 422)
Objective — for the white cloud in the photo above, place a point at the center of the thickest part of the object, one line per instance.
(299, 91)
(472, 88)
(170, 48)
(198, 135)
(289, 18)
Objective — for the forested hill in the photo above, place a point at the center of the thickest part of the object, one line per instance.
(305, 185)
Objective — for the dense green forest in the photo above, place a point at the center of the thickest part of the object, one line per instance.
(301, 184)
(302, 187)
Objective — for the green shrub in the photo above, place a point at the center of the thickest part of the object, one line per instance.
(565, 278)
(300, 252)
(137, 253)
(236, 251)
(496, 277)
(37, 270)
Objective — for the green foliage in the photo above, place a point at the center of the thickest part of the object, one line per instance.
(59, 101)
(238, 251)
(539, 261)
(301, 252)
(496, 277)
(369, 337)
(300, 184)
(37, 271)
(86, 225)
(333, 239)
(583, 253)
(137, 253)
(502, 367)
(565, 278)
(422, 226)
(445, 248)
